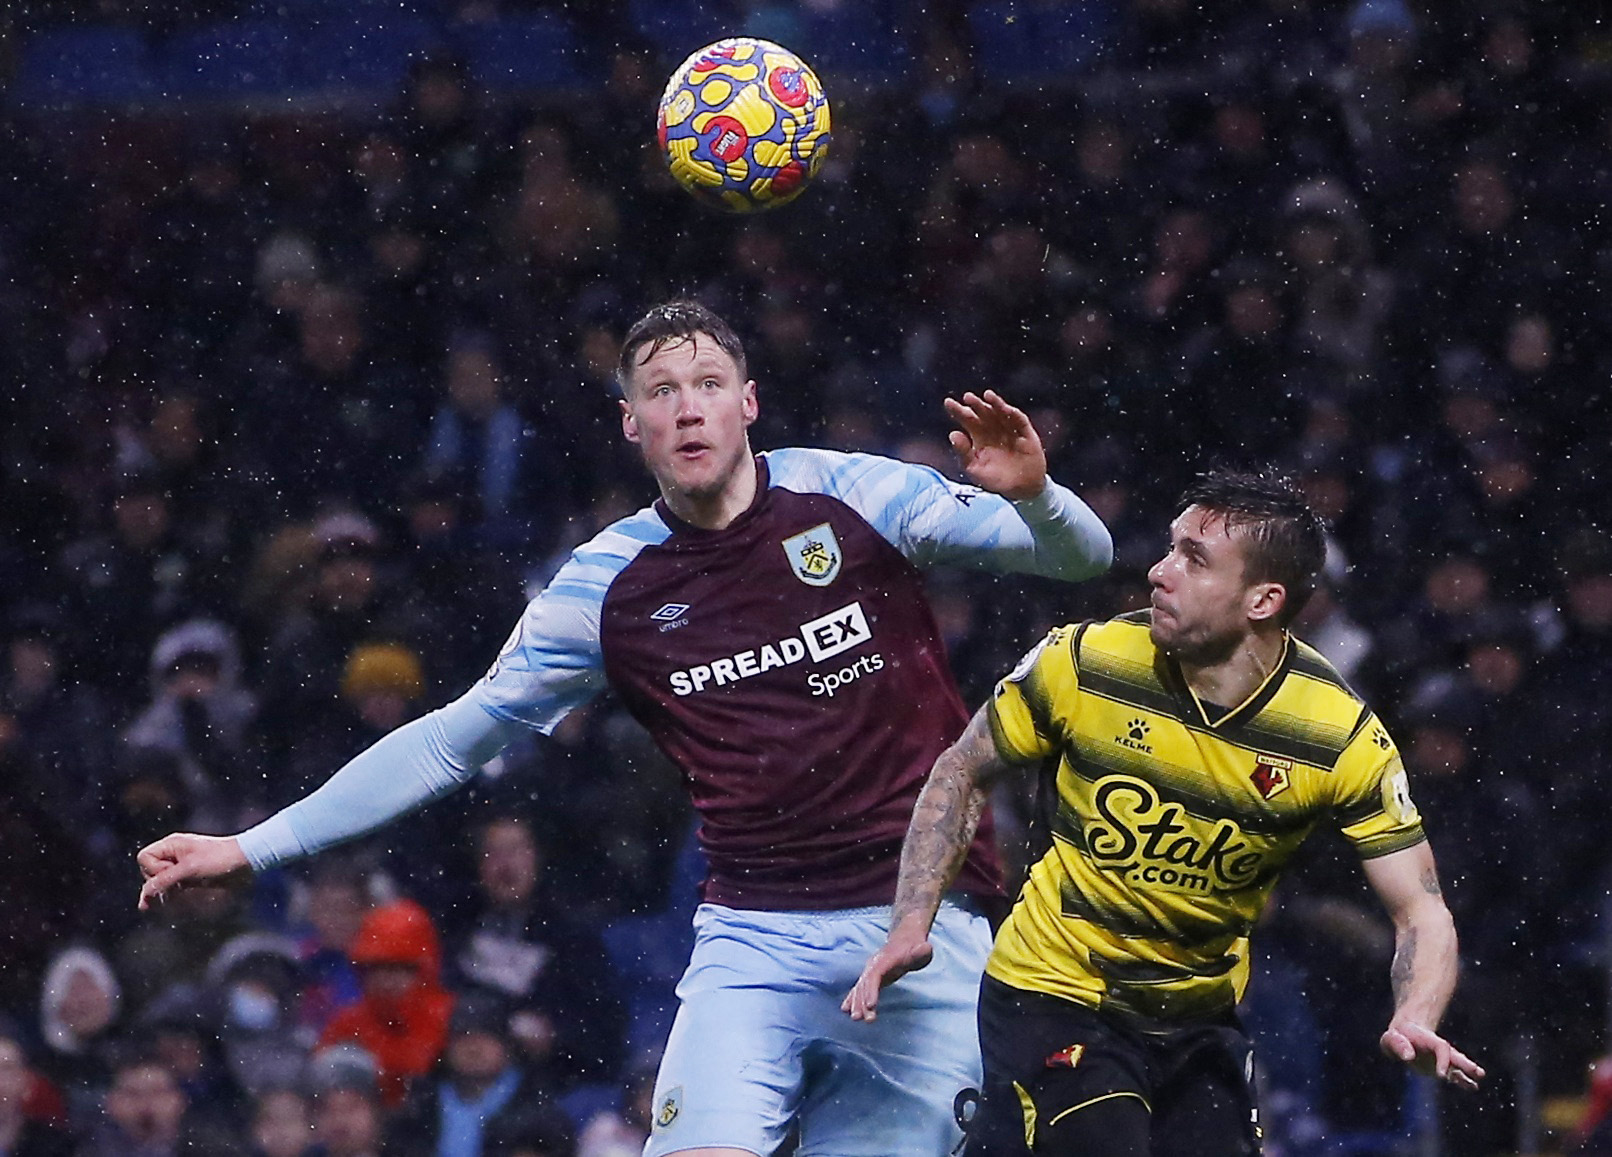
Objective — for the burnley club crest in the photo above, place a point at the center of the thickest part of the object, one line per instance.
(814, 555)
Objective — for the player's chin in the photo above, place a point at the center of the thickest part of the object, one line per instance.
(698, 484)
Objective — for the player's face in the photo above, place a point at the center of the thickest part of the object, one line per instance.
(1203, 603)
(689, 410)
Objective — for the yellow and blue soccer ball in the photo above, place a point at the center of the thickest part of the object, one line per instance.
(744, 125)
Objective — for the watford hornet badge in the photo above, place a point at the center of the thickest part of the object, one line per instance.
(814, 555)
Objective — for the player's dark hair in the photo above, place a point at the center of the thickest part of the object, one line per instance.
(673, 321)
(1284, 541)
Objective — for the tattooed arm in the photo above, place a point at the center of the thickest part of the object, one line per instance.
(942, 828)
(1425, 965)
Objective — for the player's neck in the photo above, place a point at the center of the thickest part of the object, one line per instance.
(717, 510)
(1230, 681)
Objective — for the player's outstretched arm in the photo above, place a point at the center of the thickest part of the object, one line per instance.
(1426, 960)
(943, 825)
(421, 760)
(999, 446)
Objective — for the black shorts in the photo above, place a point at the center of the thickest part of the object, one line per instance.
(1065, 1080)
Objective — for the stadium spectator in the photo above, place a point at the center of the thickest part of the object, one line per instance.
(198, 252)
(402, 1018)
(1342, 298)
(184, 443)
(349, 1119)
(520, 941)
(481, 446)
(482, 1099)
(558, 221)
(55, 730)
(454, 594)
(129, 583)
(202, 716)
(42, 907)
(381, 687)
(449, 147)
(282, 1125)
(337, 416)
(255, 983)
(180, 1027)
(22, 1135)
(147, 1115)
(346, 607)
(1243, 357)
(622, 1131)
(336, 900)
(79, 1006)
(155, 955)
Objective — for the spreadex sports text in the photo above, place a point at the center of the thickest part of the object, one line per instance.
(822, 638)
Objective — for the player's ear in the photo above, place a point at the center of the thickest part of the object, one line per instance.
(1265, 601)
(629, 424)
(751, 405)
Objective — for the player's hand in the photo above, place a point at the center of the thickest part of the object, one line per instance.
(1000, 449)
(182, 856)
(1430, 1054)
(904, 952)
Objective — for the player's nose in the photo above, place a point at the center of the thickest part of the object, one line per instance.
(689, 412)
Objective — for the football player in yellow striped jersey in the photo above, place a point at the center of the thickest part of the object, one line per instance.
(1196, 745)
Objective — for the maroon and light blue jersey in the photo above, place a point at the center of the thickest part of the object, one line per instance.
(788, 663)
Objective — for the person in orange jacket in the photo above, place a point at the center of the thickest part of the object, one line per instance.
(402, 1018)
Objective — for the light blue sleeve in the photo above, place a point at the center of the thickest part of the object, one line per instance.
(421, 760)
(933, 520)
(551, 664)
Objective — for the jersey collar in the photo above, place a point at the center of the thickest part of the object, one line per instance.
(1244, 711)
(688, 531)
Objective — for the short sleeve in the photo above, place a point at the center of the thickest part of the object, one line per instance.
(1374, 809)
(553, 662)
(1024, 712)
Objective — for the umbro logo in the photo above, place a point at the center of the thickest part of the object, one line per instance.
(1135, 735)
(671, 616)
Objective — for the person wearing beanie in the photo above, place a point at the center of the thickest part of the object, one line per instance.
(79, 1004)
(381, 686)
(381, 680)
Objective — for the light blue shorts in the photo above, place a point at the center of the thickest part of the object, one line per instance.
(760, 1043)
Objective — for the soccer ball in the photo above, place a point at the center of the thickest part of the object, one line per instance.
(744, 125)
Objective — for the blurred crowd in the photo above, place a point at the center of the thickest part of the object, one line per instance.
(298, 409)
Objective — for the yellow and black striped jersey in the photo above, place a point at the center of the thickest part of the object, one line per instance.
(1171, 825)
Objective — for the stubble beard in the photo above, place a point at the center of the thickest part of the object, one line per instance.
(712, 487)
(1205, 651)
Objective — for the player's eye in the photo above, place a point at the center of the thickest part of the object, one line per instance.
(712, 383)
